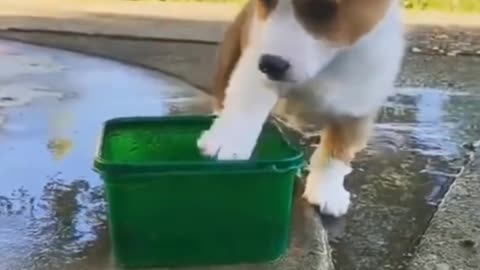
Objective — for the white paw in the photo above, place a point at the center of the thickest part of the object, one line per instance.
(324, 188)
(226, 142)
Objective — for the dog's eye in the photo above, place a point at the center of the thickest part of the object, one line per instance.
(321, 10)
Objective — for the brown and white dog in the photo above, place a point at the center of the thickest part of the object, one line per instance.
(335, 58)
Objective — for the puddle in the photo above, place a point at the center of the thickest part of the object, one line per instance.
(52, 212)
(52, 106)
(401, 177)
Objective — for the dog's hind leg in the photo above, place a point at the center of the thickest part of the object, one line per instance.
(330, 163)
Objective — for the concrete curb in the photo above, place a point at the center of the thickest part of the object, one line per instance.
(192, 22)
(120, 26)
(452, 241)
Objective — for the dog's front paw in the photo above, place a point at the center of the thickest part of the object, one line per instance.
(324, 188)
(224, 143)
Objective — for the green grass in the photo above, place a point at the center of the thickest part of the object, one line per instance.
(470, 6)
(461, 6)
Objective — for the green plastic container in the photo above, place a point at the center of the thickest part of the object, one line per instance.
(170, 206)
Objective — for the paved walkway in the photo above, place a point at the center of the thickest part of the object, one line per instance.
(52, 212)
(428, 32)
(52, 215)
(420, 130)
(146, 19)
(151, 19)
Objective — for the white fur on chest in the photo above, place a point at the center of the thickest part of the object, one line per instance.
(360, 78)
(355, 82)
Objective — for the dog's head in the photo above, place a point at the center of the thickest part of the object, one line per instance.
(300, 37)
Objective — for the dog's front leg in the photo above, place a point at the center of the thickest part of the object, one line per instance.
(247, 105)
(330, 163)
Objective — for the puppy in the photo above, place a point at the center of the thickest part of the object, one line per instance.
(334, 59)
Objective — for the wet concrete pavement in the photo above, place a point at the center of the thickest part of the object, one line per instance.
(52, 104)
(410, 163)
(52, 208)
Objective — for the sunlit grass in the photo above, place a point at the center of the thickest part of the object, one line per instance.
(470, 6)
(444, 5)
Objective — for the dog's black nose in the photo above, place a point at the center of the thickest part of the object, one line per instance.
(273, 66)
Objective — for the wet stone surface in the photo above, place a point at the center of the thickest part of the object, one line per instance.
(444, 40)
(52, 105)
(52, 208)
(410, 163)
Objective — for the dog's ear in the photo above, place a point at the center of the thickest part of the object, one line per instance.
(234, 41)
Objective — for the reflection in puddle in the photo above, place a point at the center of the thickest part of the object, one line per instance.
(20, 94)
(422, 117)
(59, 147)
(402, 176)
(52, 209)
(65, 220)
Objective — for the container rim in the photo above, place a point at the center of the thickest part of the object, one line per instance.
(296, 161)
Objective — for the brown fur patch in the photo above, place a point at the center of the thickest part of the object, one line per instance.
(343, 139)
(340, 21)
(234, 41)
(264, 7)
